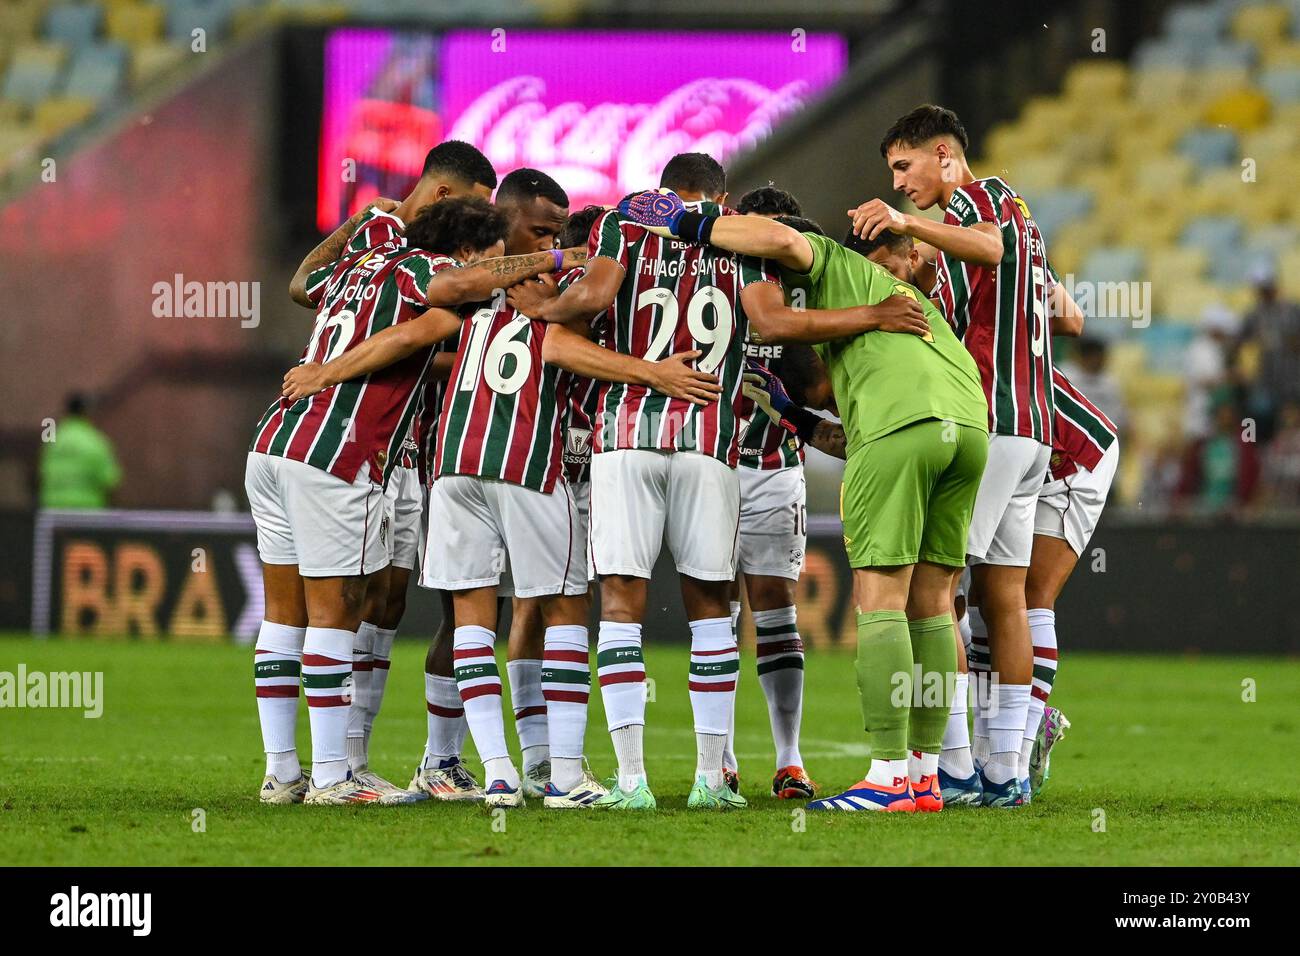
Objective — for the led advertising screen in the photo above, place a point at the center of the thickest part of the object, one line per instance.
(600, 111)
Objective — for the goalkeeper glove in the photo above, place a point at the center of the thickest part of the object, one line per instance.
(766, 391)
(662, 212)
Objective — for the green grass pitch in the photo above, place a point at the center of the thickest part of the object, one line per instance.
(1164, 751)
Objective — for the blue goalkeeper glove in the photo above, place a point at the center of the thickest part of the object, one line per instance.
(765, 390)
(662, 212)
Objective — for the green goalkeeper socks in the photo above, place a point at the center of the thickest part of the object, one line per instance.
(885, 681)
(934, 650)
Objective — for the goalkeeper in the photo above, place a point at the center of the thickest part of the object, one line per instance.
(915, 431)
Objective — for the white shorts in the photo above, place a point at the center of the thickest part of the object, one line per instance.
(479, 527)
(405, 496)
(1002, 526)
(1070, 507)
(773, 522)
(308, 517)
(581, 491)
(642, 498)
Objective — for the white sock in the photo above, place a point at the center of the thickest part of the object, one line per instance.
(446, 719)
(708, 758)
(921, 765)
(888, 773)
(1006, 732)
(714, 664)
(529, 709)
(978, 661)
(327, 676)
(621, 672)
(628, 750)
(277, 665)
(500, 768)
(1033, 717)
(780, 672)
(381, 657)
(363, 645)
(479, 684)
(566, 687)
(956, 757)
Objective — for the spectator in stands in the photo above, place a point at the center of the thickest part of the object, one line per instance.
(1206, 368)
(1221, 470)
(1268, 351)
(1086, 368)
(1281, 469)
(78, 466)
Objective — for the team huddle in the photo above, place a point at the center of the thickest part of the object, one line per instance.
(525, 402)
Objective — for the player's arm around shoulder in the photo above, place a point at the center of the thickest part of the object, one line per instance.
(582, 301)
(378, 351)
(779, 324)
(765, 239)
(480, 281)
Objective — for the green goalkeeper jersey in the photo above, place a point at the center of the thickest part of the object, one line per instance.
(884, 381)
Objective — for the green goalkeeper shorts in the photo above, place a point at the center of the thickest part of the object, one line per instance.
(908, 496)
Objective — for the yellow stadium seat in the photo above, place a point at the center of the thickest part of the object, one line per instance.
(1161, 87)
(1218, 192)
(1151, 228)
(1283, 54)
(1289, 273)
(1169, 265)
(1209, 85)
(1274, 140)
(152, 60)
(1155, 174)
(1264, 25)
(61, 113)
(19, 21)
(1036, 174)
(135, 24)
(1096, 82)
(1242, 109)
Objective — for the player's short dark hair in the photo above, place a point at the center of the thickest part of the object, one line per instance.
(577, 228)
(524, 185)
(800, 224)
(694, 173)
(463, 223)
(888, 239)
(797, 368)
(461, 160)
(769, 201)
(922, 125)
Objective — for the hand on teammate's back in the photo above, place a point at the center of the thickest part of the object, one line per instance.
(677, 379)
(899, 313)
(303, 381)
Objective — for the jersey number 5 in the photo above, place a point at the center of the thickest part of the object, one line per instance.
(717, 339)
(506, 343)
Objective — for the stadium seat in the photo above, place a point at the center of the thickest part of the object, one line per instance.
(33, 72)
(1196, 23)
(1212, 233)
(97, 72)
(1115, 264)
(184, 16)
(1261, 24)
(59, 114)
(1207, 146)
(1281, 83)
(134, 24)
(151, 60)
(73, 24)
(1052, 209)
(1089, 82)
(19, 23)
(1161, 86)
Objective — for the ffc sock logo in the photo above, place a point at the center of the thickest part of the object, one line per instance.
(75, 909)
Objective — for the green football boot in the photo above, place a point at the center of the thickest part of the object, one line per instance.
(704, 797)
(639, 798)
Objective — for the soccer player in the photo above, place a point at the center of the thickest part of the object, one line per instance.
(992, 286)
(768, 201)
(1085, 456)
(773, 536)
(315, 477)
(914, 418)
(664, 468)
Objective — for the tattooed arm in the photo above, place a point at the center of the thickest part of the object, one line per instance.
(479, 282)
(330, 249)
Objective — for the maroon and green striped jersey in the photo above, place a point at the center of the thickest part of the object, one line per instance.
(363, 420)
(504, 412)
(1083, 432)
(584, 394)
(374, 229)
(1001, 314)
(764, 444)
(675, 297)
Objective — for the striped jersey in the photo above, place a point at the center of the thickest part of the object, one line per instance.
(505, 409)
(583, 396)
(1001, 314)
(363, 420)
(674, 297)
(1083, 433)
(764, 444)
